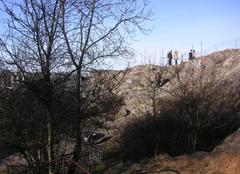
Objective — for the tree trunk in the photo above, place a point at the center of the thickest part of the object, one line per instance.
(192, 141)
(49, 142)
(193, 134)
(154, 102)
(78, 128)
(77, 150)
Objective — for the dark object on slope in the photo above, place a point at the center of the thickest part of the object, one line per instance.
(163, 82)
(127, 112)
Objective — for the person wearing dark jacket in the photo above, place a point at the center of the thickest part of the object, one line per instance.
(170, 56)
(190, 55)
(193, 54)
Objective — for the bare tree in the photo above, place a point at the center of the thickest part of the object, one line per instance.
(32, 46)
(96, 32)
(45, 38)
(149, 90)
(203, 98)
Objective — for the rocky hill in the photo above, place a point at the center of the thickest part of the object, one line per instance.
(136, 91)
(225, 65)
(225, 158)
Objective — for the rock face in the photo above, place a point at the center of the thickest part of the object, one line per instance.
(137, 81)
(230, 145)
(225, 158)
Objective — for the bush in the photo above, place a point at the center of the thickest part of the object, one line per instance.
(110, 149)
(146, 136)
(196, 114)
(195, 119)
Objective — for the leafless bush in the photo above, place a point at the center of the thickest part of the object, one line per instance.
(205, 100)
(198, 112)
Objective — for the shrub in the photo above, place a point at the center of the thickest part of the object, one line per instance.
(195, 118)
(110, 149)
(147, 135)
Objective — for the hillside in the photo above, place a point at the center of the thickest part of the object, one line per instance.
(225, 65)
(133, 99)
(225, 158)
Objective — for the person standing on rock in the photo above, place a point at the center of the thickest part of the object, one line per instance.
(170, 56)
(175, 56)
(193, 54)
(190, 55)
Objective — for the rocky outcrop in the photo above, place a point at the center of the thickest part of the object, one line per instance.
(225, 65)
(225, 158)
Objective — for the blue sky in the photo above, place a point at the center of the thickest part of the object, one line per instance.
(181, 24)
